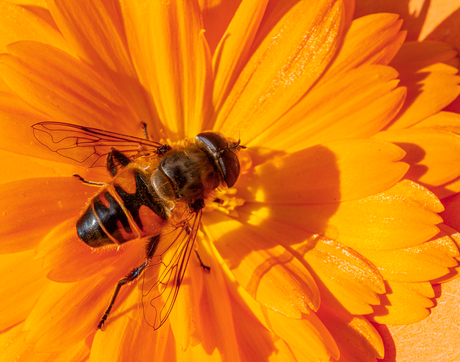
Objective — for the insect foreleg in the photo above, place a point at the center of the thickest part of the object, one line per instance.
(133, 274)
(116, 160)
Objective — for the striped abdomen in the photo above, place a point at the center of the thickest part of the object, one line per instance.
(120, 213)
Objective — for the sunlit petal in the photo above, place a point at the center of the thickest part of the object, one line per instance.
(404, 303)
(288, 61)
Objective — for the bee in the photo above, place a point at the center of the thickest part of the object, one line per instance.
(156, 193)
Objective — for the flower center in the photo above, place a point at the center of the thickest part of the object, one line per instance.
(225, 201)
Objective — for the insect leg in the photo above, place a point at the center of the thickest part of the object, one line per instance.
(88, 182)
(116, 160)
(133, 274)
(144, 129)
(205, 267)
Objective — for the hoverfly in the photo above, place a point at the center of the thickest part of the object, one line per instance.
(156, 193)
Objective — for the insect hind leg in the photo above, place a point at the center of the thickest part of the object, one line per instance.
(133, 274)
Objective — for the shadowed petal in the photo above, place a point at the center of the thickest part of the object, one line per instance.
(333, 172)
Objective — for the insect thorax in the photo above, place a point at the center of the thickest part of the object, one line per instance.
(186, 174)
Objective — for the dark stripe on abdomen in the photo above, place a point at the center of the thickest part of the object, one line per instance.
(90, 231)
(143, 196)
(112, 217)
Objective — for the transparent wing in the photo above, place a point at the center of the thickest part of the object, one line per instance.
(90, 146)
(165, 273)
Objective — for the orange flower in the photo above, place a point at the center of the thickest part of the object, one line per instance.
(434, 336)
(331, 226)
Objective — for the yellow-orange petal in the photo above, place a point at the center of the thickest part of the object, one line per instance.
(256, 341)
(23, 167)
(64, 88)
(18, 23)
(356, 337)
(232, 51)
(14, 347)
(172, 60)
(68, 259)
(214, 311)
(453, 271)
(372, 39)
(96, 35)
(308, 338)
(346, 280)
(404, 303)
(125, 340)
(41, 204)
(427, 261)
(333, 172)
(369, 99)
(423, 54)
(447, 121)
(431, 84)
(268, 272)
(40, 3)
(23, 282)
(80, 304)
(433, 154)
(18, 349)
(427, 340)
(185, 316)
(217, 15)
(402, 216)
(286, 64)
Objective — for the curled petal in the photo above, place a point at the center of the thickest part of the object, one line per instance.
(268, 272)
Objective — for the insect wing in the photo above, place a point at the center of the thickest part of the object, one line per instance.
(165, 273)
(90, 146)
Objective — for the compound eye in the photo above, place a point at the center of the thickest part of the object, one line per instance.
(225, 158)
(230, 166)
(213, 141)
